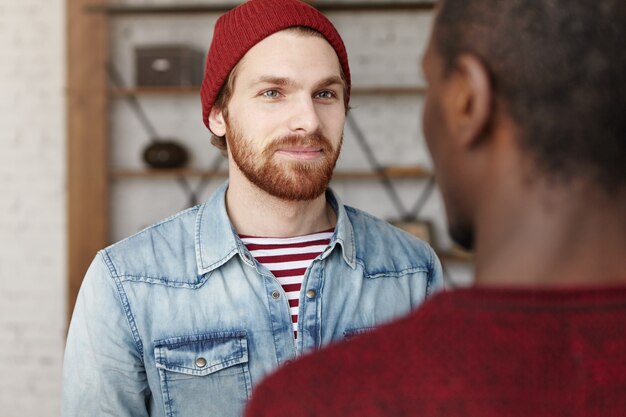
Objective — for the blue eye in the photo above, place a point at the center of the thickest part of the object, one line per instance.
(271, 94)
(326, 94)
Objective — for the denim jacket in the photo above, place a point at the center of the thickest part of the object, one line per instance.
(180, 320)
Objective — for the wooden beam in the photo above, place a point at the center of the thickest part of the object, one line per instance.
(189, 8)
(394, 172)
(87, 151)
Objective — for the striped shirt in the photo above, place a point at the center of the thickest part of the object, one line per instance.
(288, 259)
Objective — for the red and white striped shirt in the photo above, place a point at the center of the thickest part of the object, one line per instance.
(288, 259)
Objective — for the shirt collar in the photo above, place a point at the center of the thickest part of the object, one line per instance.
(344, 232)
(217, 241)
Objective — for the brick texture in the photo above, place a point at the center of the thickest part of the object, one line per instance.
(32, 206)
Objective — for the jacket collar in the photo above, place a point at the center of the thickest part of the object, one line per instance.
(216, 241)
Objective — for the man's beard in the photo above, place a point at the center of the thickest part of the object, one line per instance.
(291, 180)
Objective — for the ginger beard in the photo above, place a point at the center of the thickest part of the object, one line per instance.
(292, 180)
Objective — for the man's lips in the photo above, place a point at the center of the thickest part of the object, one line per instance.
(300, 152)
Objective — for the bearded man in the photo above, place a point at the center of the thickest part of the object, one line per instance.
(187, 316)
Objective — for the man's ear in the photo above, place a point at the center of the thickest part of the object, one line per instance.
(217, 124)
(471, 99)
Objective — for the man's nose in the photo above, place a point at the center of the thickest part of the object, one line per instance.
(303, 116)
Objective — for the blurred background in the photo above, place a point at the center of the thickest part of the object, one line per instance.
(101, 135)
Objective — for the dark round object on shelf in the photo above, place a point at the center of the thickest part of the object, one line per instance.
(165, 154)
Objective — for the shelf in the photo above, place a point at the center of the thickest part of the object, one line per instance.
(174, 172)
(455, 255)
(409, 172)
(424, 229)
(189, 8)
(392, 90)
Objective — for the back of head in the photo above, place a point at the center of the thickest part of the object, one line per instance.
(559, 69)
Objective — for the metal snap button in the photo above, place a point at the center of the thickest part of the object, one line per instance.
(311, 294)
(275, 295)
(201, 362)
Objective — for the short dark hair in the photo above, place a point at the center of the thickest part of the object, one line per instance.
(559, 67)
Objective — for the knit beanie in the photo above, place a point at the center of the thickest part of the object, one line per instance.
(249, 23)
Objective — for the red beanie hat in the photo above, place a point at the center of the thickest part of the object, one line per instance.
(249, 23)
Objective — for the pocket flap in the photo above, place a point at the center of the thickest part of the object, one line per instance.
(201, 354)
(350, 333)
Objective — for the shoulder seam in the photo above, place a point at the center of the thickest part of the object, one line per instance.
(124, 302)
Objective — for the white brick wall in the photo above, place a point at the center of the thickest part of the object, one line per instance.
(32, 206)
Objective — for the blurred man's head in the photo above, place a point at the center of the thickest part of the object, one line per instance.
(551, 72)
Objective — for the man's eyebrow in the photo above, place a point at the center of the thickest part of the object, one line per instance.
(333, 79)
(288, 82)
(270, 79)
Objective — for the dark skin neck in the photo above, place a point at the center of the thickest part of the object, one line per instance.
(541, 233)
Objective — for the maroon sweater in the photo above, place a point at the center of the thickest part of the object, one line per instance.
(472, 352)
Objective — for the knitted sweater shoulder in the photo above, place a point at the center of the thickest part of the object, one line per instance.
(469, 353)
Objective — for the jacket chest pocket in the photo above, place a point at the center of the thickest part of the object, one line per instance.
(204, 375)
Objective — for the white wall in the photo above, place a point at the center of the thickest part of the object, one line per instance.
(32, 206)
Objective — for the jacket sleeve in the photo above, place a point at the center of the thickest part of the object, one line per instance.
(435, 275)
(103, 371)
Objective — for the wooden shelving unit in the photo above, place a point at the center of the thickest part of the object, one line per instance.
(87, 141)
(409, 172)
(455, 255)
(325, 6)
(89, 95)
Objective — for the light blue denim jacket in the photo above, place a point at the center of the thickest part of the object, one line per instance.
(179, 320)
